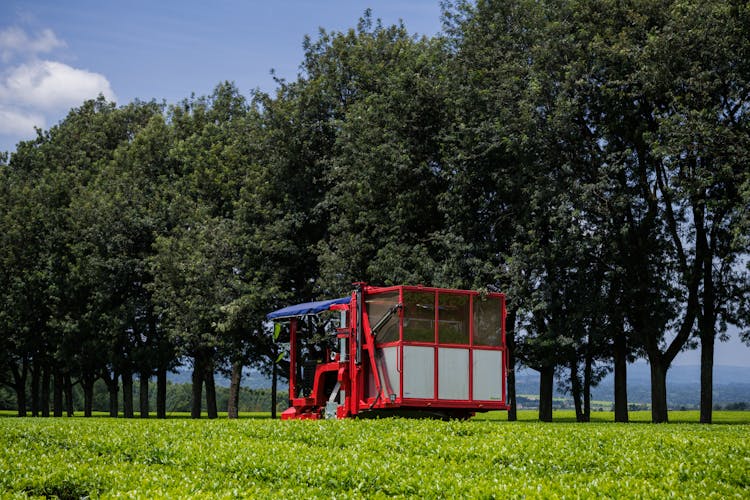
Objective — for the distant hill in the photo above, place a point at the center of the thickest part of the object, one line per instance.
(251, 379)
(731, 385)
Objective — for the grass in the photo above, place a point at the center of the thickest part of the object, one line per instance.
(484, 458)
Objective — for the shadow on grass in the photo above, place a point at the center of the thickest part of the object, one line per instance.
(152, 415)
(720, 417)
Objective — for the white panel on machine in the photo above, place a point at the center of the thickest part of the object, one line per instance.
(453, 373)
(419, 372)
(488, 368)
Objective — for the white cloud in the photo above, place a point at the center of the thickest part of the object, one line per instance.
(19, 122)
(36, 91)
(15, 41)
(52, 86)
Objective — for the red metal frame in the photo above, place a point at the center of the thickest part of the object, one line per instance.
(353, 377)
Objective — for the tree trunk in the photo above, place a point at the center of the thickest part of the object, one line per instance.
(57, 394)
(211, 407)
(274, 380)
(114, 400)
(658, 390)
(46, 376)
(68, 394)
(707, 329)
(546, 383)
(127, 393)
(162, 363)
(621, 377)
(19, 385)
(143, 399)
(87, 385)
(21, 398)
(195, 404)
(113, 389)
(161, 392)
(707, 312)
(511, 378)
(575, 389)
(587, 385)
(35, 379)
(510, 340)
(707, 376)
(234, 390)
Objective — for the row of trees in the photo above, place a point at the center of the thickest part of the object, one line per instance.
(178, 399)
(588, 158)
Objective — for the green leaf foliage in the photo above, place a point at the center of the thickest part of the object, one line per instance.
(385, 458)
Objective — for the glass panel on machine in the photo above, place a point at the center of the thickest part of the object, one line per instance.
(453, 319)
(419, 316)
(487, 323)
(377, 307)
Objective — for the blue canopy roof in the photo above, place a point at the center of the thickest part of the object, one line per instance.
(306, 309)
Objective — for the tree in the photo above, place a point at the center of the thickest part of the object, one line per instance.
(486, 146)
(198, 263)
(116, 220)
(58, 164)
(699, 64)
(383, 175)
(195, 275)
(22, 282)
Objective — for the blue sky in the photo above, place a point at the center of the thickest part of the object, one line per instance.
(54, 55)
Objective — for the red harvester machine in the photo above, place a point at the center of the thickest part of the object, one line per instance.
(399, 350)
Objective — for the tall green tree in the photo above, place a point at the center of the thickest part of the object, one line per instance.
(195, 275)
(198, 264)
(24, 281)
(383, 176)
(487, 147)
(61, 163)
(96, 307)
(116, 221)
(699, 63)
(525, 164)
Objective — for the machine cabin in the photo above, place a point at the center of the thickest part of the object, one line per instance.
(396, 350)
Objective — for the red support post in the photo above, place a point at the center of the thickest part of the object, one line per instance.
(504, 351)
(292, 358)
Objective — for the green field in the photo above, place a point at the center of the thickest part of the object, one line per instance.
(261, 458)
